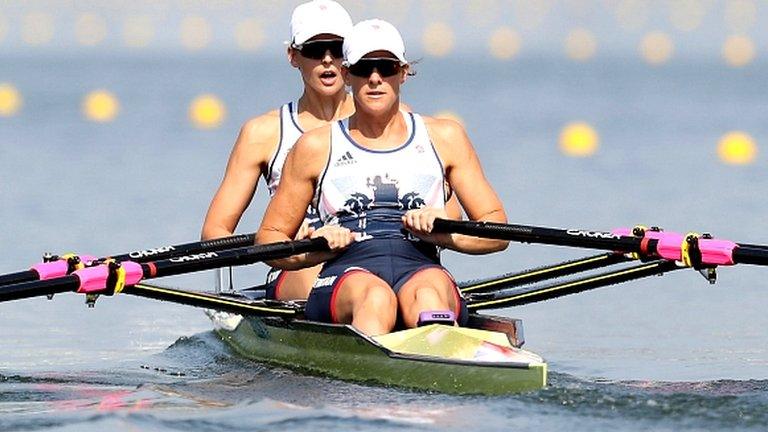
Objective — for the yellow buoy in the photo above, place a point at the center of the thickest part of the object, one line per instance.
(37, 28)
(10, 100)
(138, 31)
(207, 111)
(249, 34)
(580, 45)
(738, 50)
(657, 48)
(504, 43)
(196, 32)
(90, 29)
(579, 139)
(737, 148)
(3, 28)
(100, 106)
(438, 39)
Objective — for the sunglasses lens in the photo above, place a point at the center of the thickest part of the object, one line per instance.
(385, 67)
(317, 50)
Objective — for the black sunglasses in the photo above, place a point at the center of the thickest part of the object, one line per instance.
(386, 67)
(316, 50)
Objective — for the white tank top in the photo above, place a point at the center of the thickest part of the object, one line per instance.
(290, 132)
(368, 190)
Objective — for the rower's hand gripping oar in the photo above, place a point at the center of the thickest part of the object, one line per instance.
(57, 266)
(697, 251)
(110, 277)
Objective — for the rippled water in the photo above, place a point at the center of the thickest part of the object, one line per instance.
(662, 353)
(198, 384)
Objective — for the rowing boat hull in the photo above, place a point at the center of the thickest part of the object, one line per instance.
(340, 351)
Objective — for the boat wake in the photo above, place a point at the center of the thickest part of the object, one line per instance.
(197, 383)
(660, 405)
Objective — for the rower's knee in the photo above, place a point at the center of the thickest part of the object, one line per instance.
(376, 310)
(428, 295)
(380, 298)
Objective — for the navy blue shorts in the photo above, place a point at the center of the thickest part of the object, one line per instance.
(393, 260)
(275, 278)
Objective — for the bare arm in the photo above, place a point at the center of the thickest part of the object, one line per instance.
(474, 192)
(453, 208)
(248, 161)
(287, 208)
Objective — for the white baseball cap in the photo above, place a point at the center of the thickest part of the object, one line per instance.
(373, 35)
(317, 17)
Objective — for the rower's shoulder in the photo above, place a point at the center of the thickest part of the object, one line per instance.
(442, 128)
(316, 139)
(258, 138)
(311, 151)
(266, 125)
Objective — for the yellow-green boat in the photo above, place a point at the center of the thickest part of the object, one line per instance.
(482, 358)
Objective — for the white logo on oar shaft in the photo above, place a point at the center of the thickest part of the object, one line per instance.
(151, 252)
(194, 257)
(593, 234)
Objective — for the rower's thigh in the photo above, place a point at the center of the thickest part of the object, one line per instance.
(297, 284)
(361, 287)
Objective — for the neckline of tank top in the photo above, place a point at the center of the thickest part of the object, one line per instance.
(411, 132)
(293, 113)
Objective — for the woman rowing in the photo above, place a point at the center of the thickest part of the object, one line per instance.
(317, 31)
(378, 181)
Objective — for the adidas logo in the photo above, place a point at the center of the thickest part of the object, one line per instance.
(345, 159)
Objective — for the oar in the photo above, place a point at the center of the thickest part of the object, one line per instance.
(539, 274)
(217, 302)
(696, 251)
(523, 296)
(103, 278)
(62, 266)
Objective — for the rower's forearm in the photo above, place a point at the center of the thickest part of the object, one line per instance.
(475, 245)
(479, 245)
(211, 232)
(301, 261)
(294, 262)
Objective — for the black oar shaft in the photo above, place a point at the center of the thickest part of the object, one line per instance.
(174, 266)
(750, 254)
(531, 234)
(39, 288)
(159, 253)
(18, 277)
(231, 242)
(230, 257)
